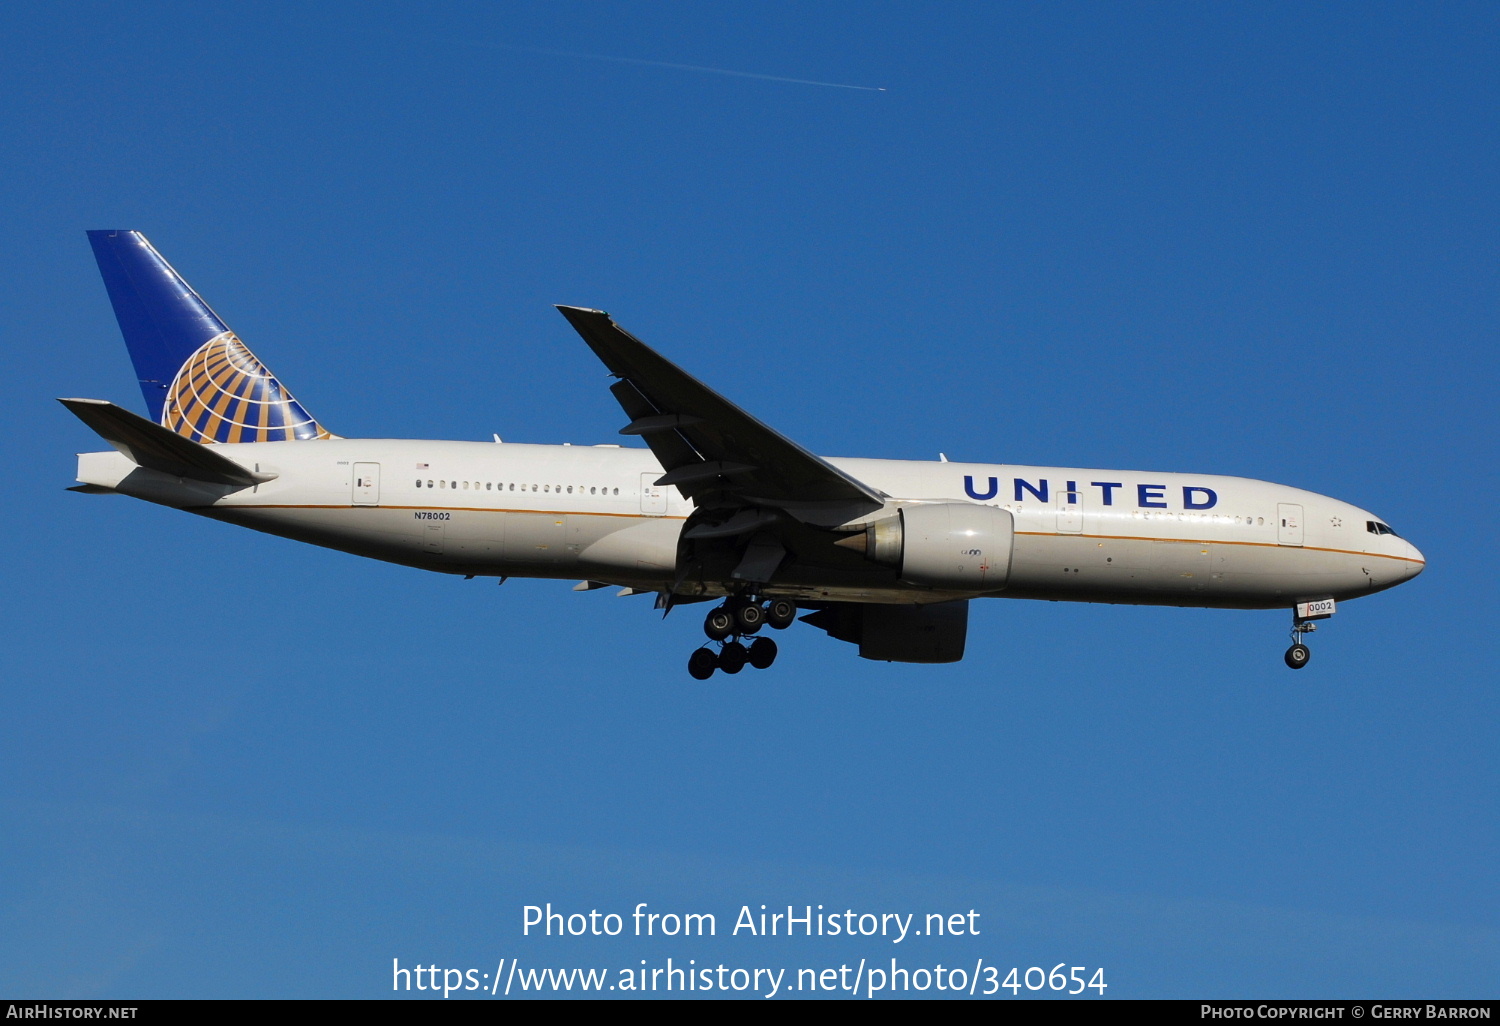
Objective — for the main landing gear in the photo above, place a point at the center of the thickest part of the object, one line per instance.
(736, 619)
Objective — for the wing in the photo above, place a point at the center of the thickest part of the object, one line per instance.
(718, 455)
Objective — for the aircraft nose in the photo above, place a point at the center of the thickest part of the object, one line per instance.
(1416, 561)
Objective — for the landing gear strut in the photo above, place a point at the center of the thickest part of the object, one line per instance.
(730, 624)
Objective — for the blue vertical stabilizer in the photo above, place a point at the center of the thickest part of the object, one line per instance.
(199, 380)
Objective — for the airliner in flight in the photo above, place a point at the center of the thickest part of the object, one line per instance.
(718, 507)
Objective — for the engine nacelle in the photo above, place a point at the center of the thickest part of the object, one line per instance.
(957, 546)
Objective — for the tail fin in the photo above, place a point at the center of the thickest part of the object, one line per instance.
(199, 380)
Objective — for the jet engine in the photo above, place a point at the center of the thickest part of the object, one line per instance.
(957, 546)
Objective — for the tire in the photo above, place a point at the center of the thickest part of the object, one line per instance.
(781, 614)
(1297, 656)
(762, 653)
(719, 624)
(702, 664)
(750, 617)
(733, 657)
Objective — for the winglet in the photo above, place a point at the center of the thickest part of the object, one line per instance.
(157, 448)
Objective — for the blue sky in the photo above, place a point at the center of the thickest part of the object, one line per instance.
(1231, 238)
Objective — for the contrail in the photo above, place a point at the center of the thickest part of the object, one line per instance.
(645, 63)
(649, 64)
(697, 67)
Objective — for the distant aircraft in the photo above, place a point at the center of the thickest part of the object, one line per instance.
(885, 554)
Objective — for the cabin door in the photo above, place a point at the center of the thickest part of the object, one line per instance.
(653, 496)
(1069, 511)
(366, 485)
(1288, 524)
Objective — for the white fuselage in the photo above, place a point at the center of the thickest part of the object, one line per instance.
(591, 512)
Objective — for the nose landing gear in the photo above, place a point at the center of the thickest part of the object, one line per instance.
(729, 624)
(1298, 655)
(1303, 615)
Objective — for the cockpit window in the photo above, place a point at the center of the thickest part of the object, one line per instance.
(1376, 527)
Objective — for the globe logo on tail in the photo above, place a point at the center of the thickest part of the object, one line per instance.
(223, 393)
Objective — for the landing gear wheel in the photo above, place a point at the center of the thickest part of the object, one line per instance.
(781, 614)
(732, 657)
(750, 616)
(1297, 656)
(762, 653)
(702, 663)
(719, 624)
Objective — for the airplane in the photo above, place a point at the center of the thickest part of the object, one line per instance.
(719, 506)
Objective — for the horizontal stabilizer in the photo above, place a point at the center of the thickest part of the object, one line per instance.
(156, 448)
